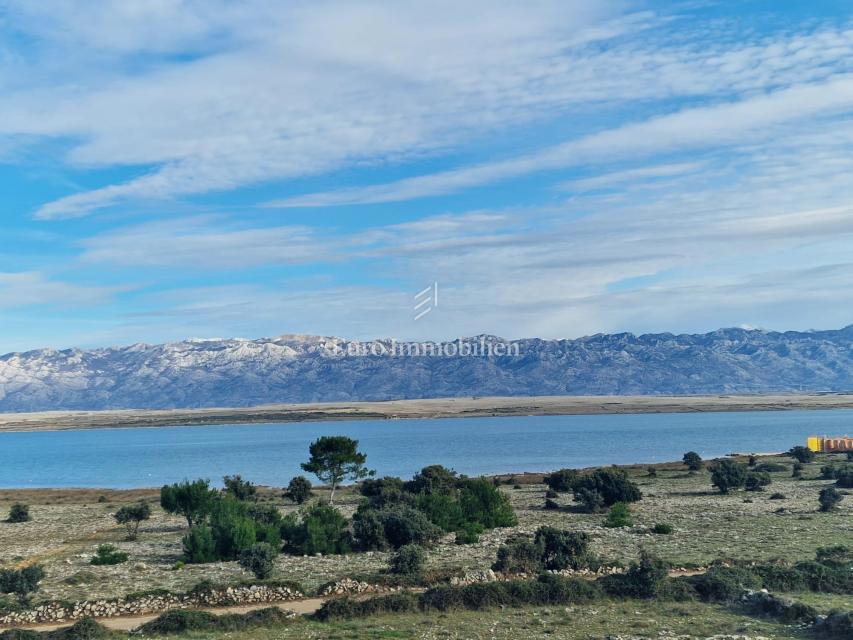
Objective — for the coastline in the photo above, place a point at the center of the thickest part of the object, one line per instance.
(413, 409)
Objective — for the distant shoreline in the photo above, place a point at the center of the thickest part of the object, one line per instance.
(413, 409)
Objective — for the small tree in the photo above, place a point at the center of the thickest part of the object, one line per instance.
(563, 549)
(829, 498)
(299, 489)
(199, 545)
(192, 500)
(131, 516)
(619, 516)
(335, 459)
(433, 479)
(239, 488)
(19, 513)
(801, 454)
(258, 559)
(107, 554)
(757, 480)
(21, 582)
(692, 461)
(613, 485)
(409, 560)
(727, 475)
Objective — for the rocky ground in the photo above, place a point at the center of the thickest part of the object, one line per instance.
(67, 527)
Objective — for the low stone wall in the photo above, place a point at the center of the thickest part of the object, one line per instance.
(152, 603)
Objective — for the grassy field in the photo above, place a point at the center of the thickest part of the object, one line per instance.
(68, 525)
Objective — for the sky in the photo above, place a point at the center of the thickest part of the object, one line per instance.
(554, 168)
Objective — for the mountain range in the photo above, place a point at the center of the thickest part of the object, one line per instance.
(296, 368)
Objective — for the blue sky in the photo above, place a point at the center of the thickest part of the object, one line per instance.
(174, 169)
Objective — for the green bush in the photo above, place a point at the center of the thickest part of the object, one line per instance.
(107, 554)
(801, 454)
(829, 498)
(469, 533)
(321, 529)
(727, 474)
(433, 479)
(485, 504)
(183, 621)
(19, 513)
(844, 479)
(561, 481)
(240, 489)
(756, 481)
(368, 530)
(405, 525)
(771, 467)
(199, 545)
(299, 490)
(644, 579)
(611, 484)
(409, 560)
(131, 515)
(591, 501)
(777, 496)
(692, 461)
(662, 528)
(258, 559)
(564, 549)
(349, 608)
(443, 510)
(724, 584)
(193, 500)
(21, 582)
(519, 554)
(797, 470)
(233, 530)
(619, 516)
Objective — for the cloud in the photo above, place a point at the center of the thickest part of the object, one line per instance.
(733, 123)
(33, 288)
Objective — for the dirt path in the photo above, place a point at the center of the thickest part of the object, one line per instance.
(128, 623)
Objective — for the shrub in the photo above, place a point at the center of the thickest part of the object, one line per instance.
(612, 484)
(850, 456)
(299, 490)
(240, 489)
(443, 510)
(757, 481)
(84, 629)
(551, 494)
(404, 525)
(724, 584)
(692, 461)
(258, 559)
(829, 498)
(409, 560)
(131, 516)
(433, 479)
(21, 582)
(368, 529)
(183, 621)
(469, 533)
(844, 479)
(485, 504)
(591, 501)
(348, 608)
(107, 554)
(771, 467)
(644, 579)
(801, 454)
(199, 545)
(519, 555)
(661, 528)
(751, 461)
(192, 500)
(562, 480)
(797, 470)
(619, 516)
(551, 505)
(19, 513)
(652, 472)
(564, 549)
(322, 529)
(233, 530)
(777, 496)
(727, 475)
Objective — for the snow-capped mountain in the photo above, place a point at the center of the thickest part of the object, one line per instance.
(237, 372)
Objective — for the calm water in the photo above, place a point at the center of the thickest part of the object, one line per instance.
(270, 453)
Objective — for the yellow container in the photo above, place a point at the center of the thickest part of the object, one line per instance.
(815, 444)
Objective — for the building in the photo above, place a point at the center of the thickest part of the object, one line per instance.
(829, 445)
